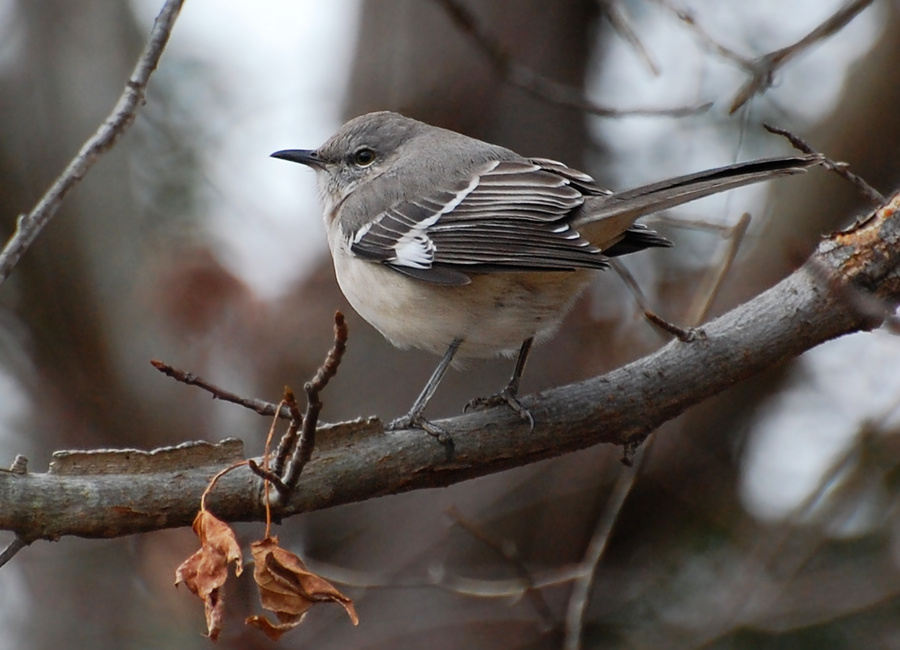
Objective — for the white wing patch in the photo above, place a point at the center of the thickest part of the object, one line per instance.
(415, 248)
(364, 229)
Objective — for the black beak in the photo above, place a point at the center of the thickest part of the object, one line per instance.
(307, 157)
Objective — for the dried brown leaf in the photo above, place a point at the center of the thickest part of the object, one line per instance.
(275, 630)
(287, 588)
(205, 571)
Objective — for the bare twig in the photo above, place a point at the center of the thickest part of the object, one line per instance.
(299, 440)
(260, 406)
(688, 19)
(289, 440)
(509, 554)
(631, 283)
(539, 85)
(785, 551)
(29, 226)
(584, 581)
(304, 448)
(10, 551)
(872, 195)
(510, 588)
(762, 69)
(685, 335)
(267, 475)
(620, 21)
(633, 286)
(699, 310)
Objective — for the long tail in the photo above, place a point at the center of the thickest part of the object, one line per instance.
(605, 218)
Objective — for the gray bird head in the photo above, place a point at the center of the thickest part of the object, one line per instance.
(364, 148)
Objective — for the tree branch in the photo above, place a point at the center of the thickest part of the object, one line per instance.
(106, 494)
(539, 85)
(29, 226)
(762, 69)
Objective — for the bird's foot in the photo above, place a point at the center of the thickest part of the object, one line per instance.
(418, 421)
(506, 396)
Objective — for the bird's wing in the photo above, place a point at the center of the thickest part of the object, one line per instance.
(508, 216)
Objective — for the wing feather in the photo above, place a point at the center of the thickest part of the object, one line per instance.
(510, 216)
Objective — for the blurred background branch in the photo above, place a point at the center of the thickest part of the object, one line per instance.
(29, 226)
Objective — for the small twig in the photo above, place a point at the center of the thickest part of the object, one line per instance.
(304, 448)
(685, 335)
(260, 406)
(29, 226)
(619, 19)
(762, 69)
(539, 85)
(584, 582)
(267, 475)
(872, 195)
(688, 19)
(700, 225)
(510, 555)
(10, 551)
(622, 271)
(699, 310)
(631, 283)
(633, 459)
(512, 588)
(780, 551)
(299, 440)
(263, 471)
(288, 441)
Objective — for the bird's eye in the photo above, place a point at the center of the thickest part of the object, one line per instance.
(364, 157)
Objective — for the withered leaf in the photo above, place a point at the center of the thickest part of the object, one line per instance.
(287, 588)
(205, 571)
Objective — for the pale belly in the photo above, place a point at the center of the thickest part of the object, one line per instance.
(492, 316)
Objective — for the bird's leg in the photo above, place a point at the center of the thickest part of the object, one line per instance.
(509, 395)
(414, 417)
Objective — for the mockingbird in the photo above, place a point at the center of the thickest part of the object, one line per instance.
(467, 249)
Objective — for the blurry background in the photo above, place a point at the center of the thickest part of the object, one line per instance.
(765, 518)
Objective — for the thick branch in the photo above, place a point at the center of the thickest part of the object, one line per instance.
(850, 284)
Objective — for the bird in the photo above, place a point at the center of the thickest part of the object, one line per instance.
(468, 250)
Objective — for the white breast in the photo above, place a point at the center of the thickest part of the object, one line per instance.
(492, 315)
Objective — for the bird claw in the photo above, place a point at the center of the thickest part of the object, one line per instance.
(417, 421)
(505, 396)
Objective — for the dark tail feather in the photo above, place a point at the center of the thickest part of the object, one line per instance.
(617, 212)
(635, 239)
